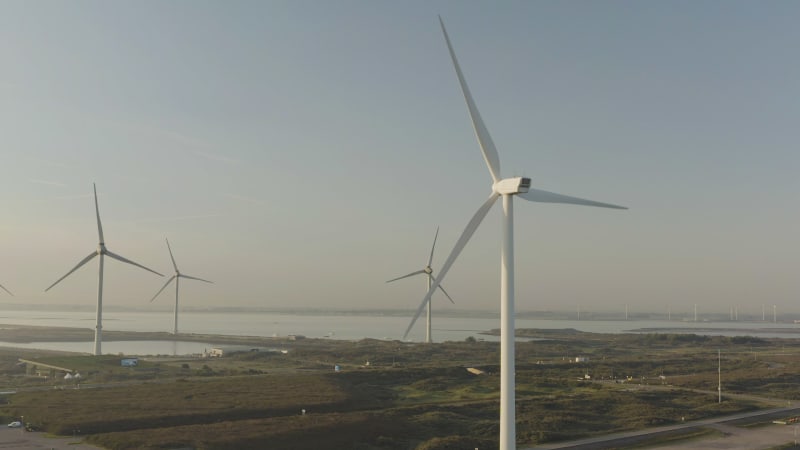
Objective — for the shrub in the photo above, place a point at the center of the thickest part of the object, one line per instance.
(457, 443)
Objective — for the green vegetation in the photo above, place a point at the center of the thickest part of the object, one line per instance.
(391, 395)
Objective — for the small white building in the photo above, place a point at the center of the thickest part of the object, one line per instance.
(227, 350)
(219, 352)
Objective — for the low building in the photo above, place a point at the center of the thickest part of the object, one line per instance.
(227, 350)
(219, 352)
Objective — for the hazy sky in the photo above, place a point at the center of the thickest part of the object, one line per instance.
(300, 153)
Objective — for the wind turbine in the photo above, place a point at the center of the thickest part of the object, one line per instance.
(9, 292)
(428, 271)
(175, 277)
(101, 251)
(506, 188)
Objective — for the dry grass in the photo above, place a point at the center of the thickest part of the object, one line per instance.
(410, 396)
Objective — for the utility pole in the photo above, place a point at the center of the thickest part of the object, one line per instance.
(719, 374)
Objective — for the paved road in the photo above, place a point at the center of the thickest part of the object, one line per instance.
(629, 438)
(737, 438)
(18, 439)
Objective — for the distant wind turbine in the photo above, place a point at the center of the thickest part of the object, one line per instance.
(506, 188)
(175, 277)
(428, 271)
(9, 292)
(101, 251)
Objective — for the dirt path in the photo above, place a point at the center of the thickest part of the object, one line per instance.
(18, 439)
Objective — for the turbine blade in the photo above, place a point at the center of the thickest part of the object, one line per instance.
(445, 293)
(97, 211)
(195, 278)
(83, 261)
(120, 258)
(163, 287)
(170, 256)
(9, 292)
(462, 241)
(441, 288)
(430, 258)
(536, 195)
(484, 139)
(406, 276)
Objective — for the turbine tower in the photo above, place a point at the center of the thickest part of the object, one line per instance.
(176, 277)
(428, 271)
(506, 188)
(102, 251)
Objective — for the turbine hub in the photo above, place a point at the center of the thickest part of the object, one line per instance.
(511, 186)
(428, 270)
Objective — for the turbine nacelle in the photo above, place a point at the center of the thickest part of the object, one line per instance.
(175, 277)
(102, 251)
(427, 270)
(511, 186)
(506, 188)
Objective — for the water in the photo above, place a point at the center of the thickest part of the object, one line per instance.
(121, 347)
(336, 326)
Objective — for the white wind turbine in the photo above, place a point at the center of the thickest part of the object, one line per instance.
(506, 188)
(175, 277)
(428, 271)
(101, 251)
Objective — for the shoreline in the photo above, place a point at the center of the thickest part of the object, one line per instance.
(31, 334)
(700, 330)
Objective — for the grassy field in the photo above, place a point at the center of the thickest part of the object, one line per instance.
(392, 395)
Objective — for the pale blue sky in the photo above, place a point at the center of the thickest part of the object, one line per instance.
(300, 153)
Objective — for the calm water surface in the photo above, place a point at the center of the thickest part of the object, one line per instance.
(336, 326)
